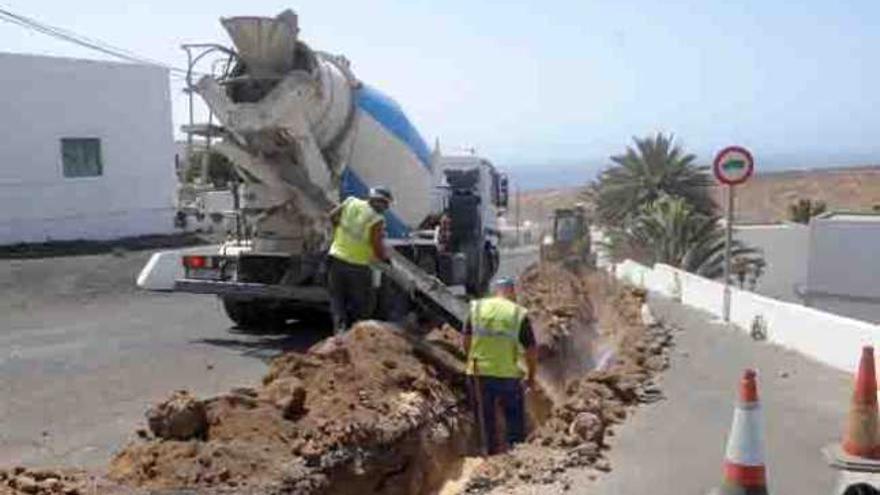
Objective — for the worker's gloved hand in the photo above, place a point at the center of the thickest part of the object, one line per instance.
(528, 383)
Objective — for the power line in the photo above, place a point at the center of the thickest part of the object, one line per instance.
(71, 37)
(90, 43)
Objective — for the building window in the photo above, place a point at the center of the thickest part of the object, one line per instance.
(81, 157)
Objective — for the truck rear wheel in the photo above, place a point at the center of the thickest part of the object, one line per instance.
(480, 276)
(243, 313)
(253, 314)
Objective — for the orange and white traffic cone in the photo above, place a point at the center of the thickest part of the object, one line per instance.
(860, 447)
(744, 470)
(860, 438)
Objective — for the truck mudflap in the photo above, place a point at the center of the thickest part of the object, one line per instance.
(425, 290)
(311, 294)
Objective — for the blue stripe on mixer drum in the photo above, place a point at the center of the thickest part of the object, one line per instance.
(352, 185)
(388, 113)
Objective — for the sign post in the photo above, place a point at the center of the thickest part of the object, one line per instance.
(732, 166)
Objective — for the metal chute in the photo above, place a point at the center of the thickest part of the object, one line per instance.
(266, 45)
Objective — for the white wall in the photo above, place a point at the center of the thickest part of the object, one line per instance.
(861, 310)
(128, 107)
(829, 338)
(832, 262)
(785, 248)
(844, 271)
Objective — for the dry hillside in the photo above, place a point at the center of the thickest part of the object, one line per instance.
(538, 205)
(764, 199)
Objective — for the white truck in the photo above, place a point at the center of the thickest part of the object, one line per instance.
(304, 133)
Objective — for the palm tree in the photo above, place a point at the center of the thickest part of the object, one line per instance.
(640, 176)
(803, 210)
(672, 231)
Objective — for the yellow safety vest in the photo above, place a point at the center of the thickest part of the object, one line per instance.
(495, 345)
(351, 238)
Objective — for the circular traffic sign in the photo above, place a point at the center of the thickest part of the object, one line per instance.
(733, 165)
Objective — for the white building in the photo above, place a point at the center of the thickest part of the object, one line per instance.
(843, 275)
(784, 247)
(86, 150)
(829, 265)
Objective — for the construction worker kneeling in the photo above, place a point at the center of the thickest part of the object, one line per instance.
(497, 335)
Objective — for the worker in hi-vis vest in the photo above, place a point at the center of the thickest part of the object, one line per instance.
(358, 241)
(497, 334)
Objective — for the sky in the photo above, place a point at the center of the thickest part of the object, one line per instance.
(558, 85)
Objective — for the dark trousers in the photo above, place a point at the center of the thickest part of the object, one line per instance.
(351, 293)
(508, 393)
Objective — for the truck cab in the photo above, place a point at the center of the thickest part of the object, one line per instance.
(473, 194)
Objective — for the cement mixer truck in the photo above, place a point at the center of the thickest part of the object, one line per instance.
(304, 133)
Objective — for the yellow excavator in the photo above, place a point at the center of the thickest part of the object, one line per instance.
(568, 239)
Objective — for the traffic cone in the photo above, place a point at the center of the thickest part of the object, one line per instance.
(860, 437)
(860, 447)
(744, 471)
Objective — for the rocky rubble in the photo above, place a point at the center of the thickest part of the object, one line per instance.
(21, 480)
(180, 417)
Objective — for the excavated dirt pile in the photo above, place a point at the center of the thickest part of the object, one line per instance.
(361, 413)
(564, 322)
(373, 411)
(575, 433)
(381, 411)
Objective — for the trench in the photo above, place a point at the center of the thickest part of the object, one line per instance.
(435, 459)
(441, 458)
(463, 465)
(384, 411)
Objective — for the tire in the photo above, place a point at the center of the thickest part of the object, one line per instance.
(253, 315)
(474, 285)
(861, 489)
(392, 303)
(319, 318)
(478, 285)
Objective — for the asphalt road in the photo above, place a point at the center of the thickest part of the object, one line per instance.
(514, 261)
(83, 353)
(677, 445)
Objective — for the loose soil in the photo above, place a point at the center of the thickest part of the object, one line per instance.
(564, 321)
(360, 413)
(377, 410)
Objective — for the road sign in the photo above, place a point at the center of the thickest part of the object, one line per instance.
(733, 165)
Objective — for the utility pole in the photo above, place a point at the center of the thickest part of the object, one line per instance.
(732, 166)
(516, 206)
(728, 240)
(189, 95)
